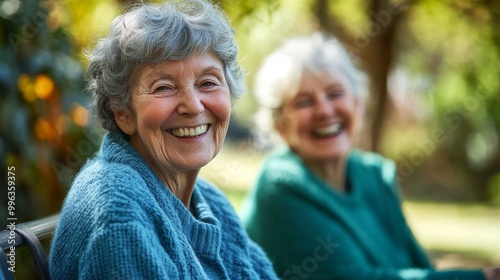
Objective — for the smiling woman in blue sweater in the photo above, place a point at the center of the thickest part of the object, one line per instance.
(321, 209)
(163, 83)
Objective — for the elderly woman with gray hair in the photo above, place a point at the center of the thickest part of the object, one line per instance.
(163, 83)
(320, 208)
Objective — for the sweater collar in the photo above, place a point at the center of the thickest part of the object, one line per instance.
(204, 231)
(116, 148)
(353, 192)
(201, 227)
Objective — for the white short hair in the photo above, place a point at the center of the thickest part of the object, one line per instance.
(281, 72)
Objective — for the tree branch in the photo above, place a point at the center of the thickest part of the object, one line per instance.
(331, 23)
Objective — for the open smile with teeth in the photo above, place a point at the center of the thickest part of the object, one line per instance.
(189, 132)
(332, 130)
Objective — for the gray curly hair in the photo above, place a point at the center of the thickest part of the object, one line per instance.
(149, 34)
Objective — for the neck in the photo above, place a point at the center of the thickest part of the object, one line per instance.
(180, 183)
(332, 171)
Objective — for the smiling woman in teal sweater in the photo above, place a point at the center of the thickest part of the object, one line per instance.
(320, 208)
(312, 231)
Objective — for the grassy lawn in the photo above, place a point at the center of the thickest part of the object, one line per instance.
(466, 235)
(455, 235)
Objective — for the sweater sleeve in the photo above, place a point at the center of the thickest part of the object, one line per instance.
(108, 229)
(304, 243)
(388, 192)
(260, 262)
(126, 251)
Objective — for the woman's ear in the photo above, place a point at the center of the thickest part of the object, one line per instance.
(125, 120)
(280, 126)
(359, 113)
(360, 108)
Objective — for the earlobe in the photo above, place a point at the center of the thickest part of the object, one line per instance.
(360, 108)
(359, 114)
(279, 126)
(125, 121)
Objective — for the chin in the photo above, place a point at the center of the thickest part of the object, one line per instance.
(333, 154)
(195, 165)
(198, 162)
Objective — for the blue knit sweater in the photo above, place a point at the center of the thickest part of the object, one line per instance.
(120, 222)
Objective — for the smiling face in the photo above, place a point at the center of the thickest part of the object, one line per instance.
(320, 121)
(180, 112)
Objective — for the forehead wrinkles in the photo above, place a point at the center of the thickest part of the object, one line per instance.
(324, 81)
(174, 69)
(311, 83)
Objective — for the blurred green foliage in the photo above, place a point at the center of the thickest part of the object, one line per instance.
(43, 105)
(448, 130)
(44, 119)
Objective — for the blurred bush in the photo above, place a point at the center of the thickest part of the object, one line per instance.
(44, 117)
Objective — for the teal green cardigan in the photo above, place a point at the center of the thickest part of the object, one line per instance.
(312, 231)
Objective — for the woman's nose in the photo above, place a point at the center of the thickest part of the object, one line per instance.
(189, 103)
(323, 106)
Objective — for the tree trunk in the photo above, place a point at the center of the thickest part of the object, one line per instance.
(374, 51)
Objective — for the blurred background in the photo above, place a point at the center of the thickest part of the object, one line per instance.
(434, 105)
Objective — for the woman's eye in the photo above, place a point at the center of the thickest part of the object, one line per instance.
(208, 84)
(303, 103)
(162, 89)
(335, 94)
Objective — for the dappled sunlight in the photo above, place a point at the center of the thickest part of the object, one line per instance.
(235, 167)
(459, 232)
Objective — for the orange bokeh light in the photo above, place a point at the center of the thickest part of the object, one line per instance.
(80, 115)
(26, 87)
(44, 130)
(44, 86)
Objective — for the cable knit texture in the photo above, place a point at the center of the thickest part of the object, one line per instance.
(120, 222)
(312, 231)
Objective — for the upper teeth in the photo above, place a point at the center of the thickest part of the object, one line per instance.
(190, 132)
(332, 129)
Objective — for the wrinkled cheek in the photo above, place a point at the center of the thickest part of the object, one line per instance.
(148, 129)
(220, 133)
(152, 121)
(298, 132)
(155, 142)
(220, 107)
(223, 116)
